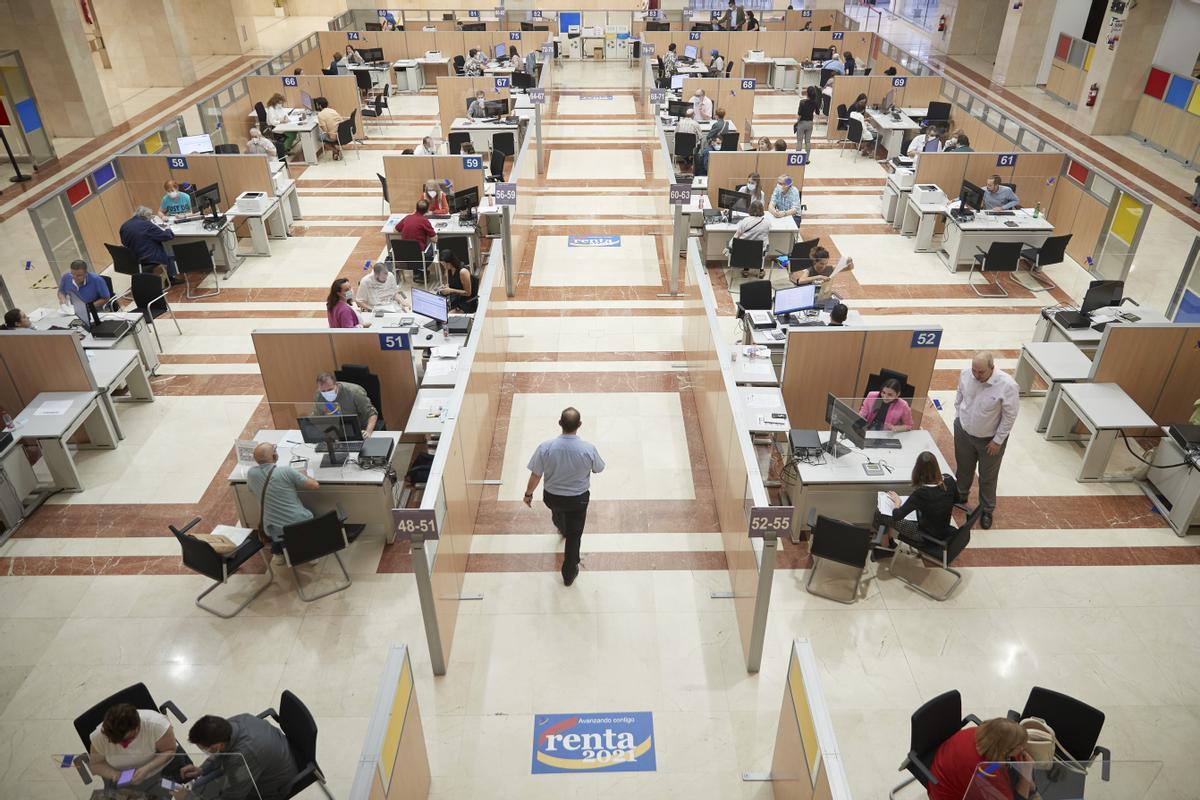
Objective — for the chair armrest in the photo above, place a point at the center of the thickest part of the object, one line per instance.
(925, 537)
(270, 712)
(971, 718)
(914, 760)
(310, 771)
(162, 296)
(1105, 761)
(174, 709)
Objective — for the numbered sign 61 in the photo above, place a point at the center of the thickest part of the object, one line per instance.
(176, 162)
(290, 80)
(899, 82)
(797, 159)
(1006, 160)
(749, 83)
(771, 521)
(415, 522)
(503, 83)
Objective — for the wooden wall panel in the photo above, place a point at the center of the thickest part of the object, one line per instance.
(884, 349)
(397, 382)
(1086, 228)
(418, 43)
(918, 91)
(94, 225)
(405, 176)
(243, 173)
(1182, 385)
(818, 361)
(290, 362)
(144, 177)
(50, 361)
(1065, 203)
(1146, 117)
(772, 43)
(452, 167)
(845, 89)
(1139, 359)
(942, 169)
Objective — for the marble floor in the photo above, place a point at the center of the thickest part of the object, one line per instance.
(1079, 587)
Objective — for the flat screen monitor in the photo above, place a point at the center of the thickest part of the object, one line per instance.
(797, 298)
(932, 145)
(678, 108)
(821, 54)
(371, 54)
(653, 25)
(970, 196)
(428, 304)
(209, 194)
(321, 428)
(306, 100)
(201, 143)
(466, 199)
(500, 51)
(86, 312)
(526, 26)
(843, 421)
(690, 51)
(733, 201)
(473, 26)
(496, 108)
(1102, 294)
(677, 82)
(522, 80)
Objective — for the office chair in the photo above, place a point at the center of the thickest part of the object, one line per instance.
(362, 77)
(999, 257)
(123, 259)
(504, 143)
(729, 68)
(345, 136)
(1077, 727)
(826, 74)
(939, 553)
(260, 111)
(139, 697)
(1011, 186)
(875, 383)
(407, 255)
(1051, 251)
(459, 246)
(754, 296)
(387, 201)
(866, 72)
(300, 730)
(456, 140)
(937, 111)
(150, 299)
(496, 166)
(658, 69)
(460, 63)
(931, 725)
(199, 556)
(854, 135)
(729, 141)
(226, 149)
(803, 249)
(361, 374)
(842, 543)
(843, 117)
(195, 257)
(316, 538)
(745, 254)
(374, 111)
(685, 146)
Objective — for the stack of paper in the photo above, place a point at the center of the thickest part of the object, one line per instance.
(886, 508)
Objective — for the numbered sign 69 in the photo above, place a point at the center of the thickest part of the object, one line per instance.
(797, 159)
(1006, 160)
(503, 83)
(899, 82)
(176, 162)
(771, 521)
(290, 80)
(749, 84)
(415, 522)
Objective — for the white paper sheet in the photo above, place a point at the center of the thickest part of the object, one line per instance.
(437, 368)
(886, 508)
(234, 534)
(445, 351)
(759, 400)
(53, 408)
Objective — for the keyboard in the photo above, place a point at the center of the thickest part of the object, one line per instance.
(883, 444)
(439, 216)
(1001, 213)
(339, 447)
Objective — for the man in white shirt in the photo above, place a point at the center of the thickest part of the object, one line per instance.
(917, 145)
(426, 148)
(378, 288)
(986, 407)
(702, 107)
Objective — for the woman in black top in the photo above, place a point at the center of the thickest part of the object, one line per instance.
(460, 288)
(751, 21)
(809, 106)
(849, 62)
(933, 498)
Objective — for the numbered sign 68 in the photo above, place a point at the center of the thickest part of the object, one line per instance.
(749, 84)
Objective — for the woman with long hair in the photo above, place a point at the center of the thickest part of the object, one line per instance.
(933, 496)
(460, 288)
(886, 410)
(338, 310)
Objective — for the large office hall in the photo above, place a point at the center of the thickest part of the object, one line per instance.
(706, 399)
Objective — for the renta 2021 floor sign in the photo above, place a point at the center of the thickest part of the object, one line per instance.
(604, 742)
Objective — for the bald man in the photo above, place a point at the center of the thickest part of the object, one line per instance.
(986, 407)
(282, 505)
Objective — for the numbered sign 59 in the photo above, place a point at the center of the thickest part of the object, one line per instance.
(503, 83)
(899, 82)
(681, 194)
(514, 36)
(926, 338)
(749, 83)
(472, 162)
(1006, 160)
(506, 194)
(290, 80)
(694, 36)
(797, 159)
(176, 162)
(771, 521)
(352, 35)
(415, 522)
(839, 35)
(393, 341)
(537, 96)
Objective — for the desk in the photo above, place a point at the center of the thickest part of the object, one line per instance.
(420, 337)
(961, 239)
(757, 370)
(671, 123)
(482, 132)
(758, 403)
(52, 432)
(1055, 363)
(1049, 329)
(429, 400)
(445, 229)
(920, 220)
(1179, 487)
(697, 70)
(891, 131)
(895, 195)
(784, 231)
(285, 190)
(138, 337)
(112, 369)
(271, 219)
(367, 496)
(223, 242)
(440, 373)
(434, 68)
(307, 133)
(1105, 410)
(840, 488)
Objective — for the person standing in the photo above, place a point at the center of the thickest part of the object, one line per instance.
(809, 106)
(985, 406)
(567, 463)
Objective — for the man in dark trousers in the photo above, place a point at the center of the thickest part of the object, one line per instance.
(567, 463)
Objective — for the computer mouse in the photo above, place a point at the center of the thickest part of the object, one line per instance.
(428, 336)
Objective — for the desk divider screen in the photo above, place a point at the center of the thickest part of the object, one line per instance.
(807, 763)
(1035, 174)
(144, 176)
(99, 218)
(1158, 366)
(50, 361)
(726, 93)
(406, 176)
(394, 764)
(917, 92)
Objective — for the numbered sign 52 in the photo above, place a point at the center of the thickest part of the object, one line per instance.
(694, 36)
(473, 13)
(681, 194)
(503, 83)
(749, 83)
(412, 522)
(1006, 160)
(506, 194)
(393, 341)
(472, 162)
(352, 35)
(926, 338)
(797, 159)
(176, 162)
(771, 521)
(290, 80)
(514, 36)
(899, 82)
(839, 35)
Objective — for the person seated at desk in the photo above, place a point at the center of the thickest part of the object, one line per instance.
(837, 317)
(711, 141)
(965, 764)
(140, 234)
(753, 187)
(998, 196)
(17, 320)
(174, 203)
(826, 97)
(467, 149)
(819, 271)
(461, 291)
(959, 143)
(785, 200)
(917, 145)
(807, 26)
(435, 197)
(259, 145)
(328, 121)
(933, 498)
(278, 114)
(514, 58)
(857, 112)
(472, 67)
(702, 106)
(426, 148)
(415, 227)
(79, 280)
(780, 146)
(135, 739)
(342, 397)
(378, 289)
(689, 125)
(886, 410)
(751, 21)
(754, 227)
(281, 505)
(338, 310)
(716, 64)
(351, 58)
(265, 768)
(670, 60)
(849, 63)
(477, 109)
(765, 144)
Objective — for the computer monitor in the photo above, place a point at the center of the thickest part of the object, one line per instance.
(678, 108)
(932, 145)
(371, 54)
(200, 143)
(1102, 294)
(473, 26)
(465, 200)
(654, 25)
(526, 26)
(677, 82)
(85, 311)
(821, 54)
(690, 51)
(843, 421)
(496, 108)
(209, 194)
(733, 201)
(970, 196)
(500, 51)
(321, 428)
(431, 305)
(522, 80)
(306, 100)
(797, 298)
(497, 164)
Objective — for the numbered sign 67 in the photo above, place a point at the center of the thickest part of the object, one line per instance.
(503, 83)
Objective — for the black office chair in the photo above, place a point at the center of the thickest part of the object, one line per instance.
(1051, 251)
(459, 246)
(842, 543)
(754, 296)
(826, 74)
(939, 552)
(362, 77)
(854, 135)
(504, 142)
(843, 117)
(1077, 727)
(496, 166)
(659, 68)
(345, 136)
(383, 185)
(876, 379)
(803, 249)
(316, 538)
(361, 374)
(999, 257)
(729, 141)
(745, 254)
(460, 63)
(300, 730)
(866, 72)
(195, 257)
(329, 71)
(199, 556)
(685, 146)
(123, 259)
(226, 149)
(375, 110)
(456, 140)
(150, 299)
(729, 68)
(931, 725)
(139, 697)
(260, 111)
(407, 255)
(1011, 186)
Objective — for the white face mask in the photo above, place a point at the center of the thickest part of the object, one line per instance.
(751, 185)
(329, 396)
(173, 194)
(432, 193)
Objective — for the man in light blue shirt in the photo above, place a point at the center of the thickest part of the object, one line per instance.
(785, 200)
(997, 195)
(835, 65)
(567, 464)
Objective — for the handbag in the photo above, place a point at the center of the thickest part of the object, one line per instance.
(260, 530)
(1040, 742)
(223, 545)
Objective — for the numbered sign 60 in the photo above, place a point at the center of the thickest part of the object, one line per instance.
(797, 159)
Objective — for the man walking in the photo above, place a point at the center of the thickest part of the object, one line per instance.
(986, 407)
(567, 463)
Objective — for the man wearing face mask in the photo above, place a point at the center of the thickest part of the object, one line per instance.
(785, 200)
(426, 148)
(435, 197)
(477, 109)
(252, 758)
(281, 505)
(343, 397)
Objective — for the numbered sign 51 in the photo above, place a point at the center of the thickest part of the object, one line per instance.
(352, 35)
(472, 162)
(797, 159)
(694, 36)
(503, 83)
(393, 341)
(506, 194)
(1006, 160)
(839, 35)
(415, 522)
(514, 36)
(749, 83)
(176, 162)
(681, 194)
(290, 80)
(899, 82)
(926, 338)
(771, 521)
(537, 96)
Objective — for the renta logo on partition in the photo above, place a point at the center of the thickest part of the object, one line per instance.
(593, 241)
(604, 742)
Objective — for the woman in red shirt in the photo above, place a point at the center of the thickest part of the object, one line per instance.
(972, 759)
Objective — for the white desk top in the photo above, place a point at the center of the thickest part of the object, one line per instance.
(787, 223)
(468, 124)
(1089, 336)
(691, 69)
(848, 469)
(290, 443)
(449, 227)
(57, 317)
(31, 425)
(881, 119)
(420, 337)
(1059, 361)
(757, 370)
(763, 336)
(1024, 219)
(429, 400)
(440, 373)
(108, 366)
(758, 403)
(423, 60)
(195, 228)
(234, 211)
(1106, 406)
(914, 111)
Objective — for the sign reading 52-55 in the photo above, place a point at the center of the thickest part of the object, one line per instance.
(771, 521)
(415, 522)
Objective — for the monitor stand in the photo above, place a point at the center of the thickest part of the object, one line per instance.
(835, 448)
(333, 459)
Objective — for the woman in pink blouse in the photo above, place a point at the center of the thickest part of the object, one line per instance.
(338, 310)
(885, 410)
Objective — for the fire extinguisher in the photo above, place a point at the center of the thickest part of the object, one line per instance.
(941, 23)
(1092, 93)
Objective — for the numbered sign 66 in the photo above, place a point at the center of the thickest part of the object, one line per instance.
(771, 521)
(290, 80)
(176, 162)
(503, 83)
(749, 83)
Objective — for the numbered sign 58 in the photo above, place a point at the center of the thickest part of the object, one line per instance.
(1006, 160)
(290, 80)
(768, 521)
(503, 83)
(899, 82)
(749, 83)
(926, 338)
(514, 36)
(797, 159)
(176, 162)
(694, 36)
(839, 35)
(472, 162)
(352, 35)
(415, 522)
(681, 194)
(506, 194)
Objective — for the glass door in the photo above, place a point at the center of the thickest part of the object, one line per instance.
(1185, 303)
(19, 114)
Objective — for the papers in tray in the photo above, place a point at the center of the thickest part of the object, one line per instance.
(761, 400)
(53, 408)
(444, 351)
(886, 508)
(232, 533)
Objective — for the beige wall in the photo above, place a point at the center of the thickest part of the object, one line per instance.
(318, 8)
(211, 28)
(973, 27)
(128, 26)
(1024, 33)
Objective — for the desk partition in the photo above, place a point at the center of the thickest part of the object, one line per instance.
(1158, 366)
(1034, 174)
(415, 42)
(50, 361)
(394, 764)
(727, 93)
(340, 90)
(1168, 115)
(406, 176)
(455, 93)
(729, 171)
(915, 93)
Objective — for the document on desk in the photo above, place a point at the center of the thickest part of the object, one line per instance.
(438, 368)
(841, 265)
(761, 400)
(886, 508)
(444, 351)
(53, 408)
(433, 407)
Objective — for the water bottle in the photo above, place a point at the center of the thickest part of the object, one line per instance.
(7, 419)
(1037, 210)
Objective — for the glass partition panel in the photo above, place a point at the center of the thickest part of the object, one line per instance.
(61, 243)
(27, 126)
(1100, 779)
(73, 776)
